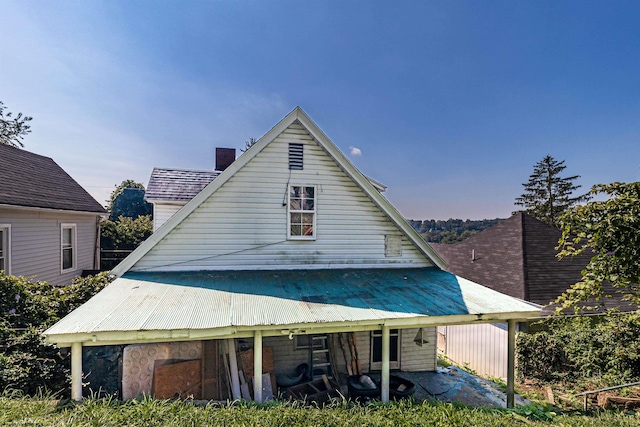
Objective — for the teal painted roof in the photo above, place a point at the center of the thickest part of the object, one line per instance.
(221, 299)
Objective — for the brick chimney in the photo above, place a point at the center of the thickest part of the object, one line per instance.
(224, 158)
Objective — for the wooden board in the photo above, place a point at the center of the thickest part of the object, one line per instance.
(267, 364)
(210, 367)
(181, 380)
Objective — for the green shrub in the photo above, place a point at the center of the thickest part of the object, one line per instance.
(27, 308)
(605, 349)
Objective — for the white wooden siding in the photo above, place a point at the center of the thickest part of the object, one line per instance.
(36, 243)
(162, 212)
(414, 358)
(243, 224)
(481, 347)
(285, 357)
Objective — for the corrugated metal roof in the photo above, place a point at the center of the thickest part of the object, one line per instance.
(219, 299)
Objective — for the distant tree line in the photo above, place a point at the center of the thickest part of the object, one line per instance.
(451, 230)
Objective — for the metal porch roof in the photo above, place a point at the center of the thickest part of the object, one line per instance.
(275, 299)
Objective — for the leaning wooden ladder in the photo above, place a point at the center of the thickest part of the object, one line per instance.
(320, 357)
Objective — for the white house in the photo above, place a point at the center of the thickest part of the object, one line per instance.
(289, 241)
(49, 225)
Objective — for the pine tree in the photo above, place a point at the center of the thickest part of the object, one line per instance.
(548, 195)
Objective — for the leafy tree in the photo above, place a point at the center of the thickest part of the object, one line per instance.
(130, 222)
(127, 200)
(547, 194)
(610, 230)
(125, 233)
(27, 308)
(451, 230)
(13, 129)
(248, 144)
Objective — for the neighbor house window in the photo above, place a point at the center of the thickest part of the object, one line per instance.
(302, 212)
(68, 248)
(5, 243)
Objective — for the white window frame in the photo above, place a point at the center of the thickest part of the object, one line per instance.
(74, 247)
(6, 247)
(314, 212)
(377, 336)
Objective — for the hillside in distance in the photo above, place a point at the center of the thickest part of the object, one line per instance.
(451, 230)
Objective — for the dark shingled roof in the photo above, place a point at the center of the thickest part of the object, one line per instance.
(172, 184)
(518, 257)
(32, 180)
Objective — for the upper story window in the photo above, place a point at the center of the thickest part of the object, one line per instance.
(5, 259)
(68, 247)
(302, 212)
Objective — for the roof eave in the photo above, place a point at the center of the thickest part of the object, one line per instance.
(128, 337)
(37, 208)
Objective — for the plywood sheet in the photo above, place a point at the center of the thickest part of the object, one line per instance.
(267, 364)
(138, 362)
(179, 380)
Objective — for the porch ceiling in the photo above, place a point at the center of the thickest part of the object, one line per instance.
(193, 305)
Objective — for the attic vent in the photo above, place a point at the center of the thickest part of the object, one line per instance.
(295, 156)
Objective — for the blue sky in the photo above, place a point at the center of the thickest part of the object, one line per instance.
(450, 103)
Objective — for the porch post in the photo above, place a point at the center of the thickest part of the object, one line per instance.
(384, 375)
(257, 366)
(233, 365)
(511, 365)
(76, 371)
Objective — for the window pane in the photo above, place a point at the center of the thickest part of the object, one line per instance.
(308, 205)
(295, 204)
(67, 258)
(307, 229)
(1, 242)
(1, 263)
(307, 218)
(296, 218)
(309, 192)
(296, 230)
(66, 237)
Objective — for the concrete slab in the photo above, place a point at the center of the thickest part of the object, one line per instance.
(452, 384)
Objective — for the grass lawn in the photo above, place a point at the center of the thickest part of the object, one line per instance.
(44, 412)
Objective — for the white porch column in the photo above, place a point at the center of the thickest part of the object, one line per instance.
(257, 366)
(511, 364)
(233, 365)
(384, 375)
(76, 371)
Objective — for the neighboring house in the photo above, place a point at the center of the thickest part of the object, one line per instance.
(291, 243)
(170, 189)
(49, 225)
(516, 257)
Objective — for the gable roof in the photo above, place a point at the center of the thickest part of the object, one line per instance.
(31, 180)
(300, 117)
(518, 257)
(177, 185)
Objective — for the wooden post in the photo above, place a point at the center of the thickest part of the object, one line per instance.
(76, 371)
(233, 367)
(384, 375)
(511, 363)
(257, 366)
